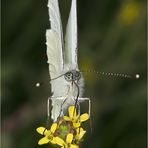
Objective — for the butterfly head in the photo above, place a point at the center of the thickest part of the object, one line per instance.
(72, 75)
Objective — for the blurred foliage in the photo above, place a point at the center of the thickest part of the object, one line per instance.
(112, 38)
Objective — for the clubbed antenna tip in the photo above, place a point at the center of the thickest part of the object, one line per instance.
(137, 76)
(38, 84)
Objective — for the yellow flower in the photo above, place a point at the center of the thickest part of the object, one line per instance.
(79, 133)
(68, 143)
(74, 118)
(49, 134)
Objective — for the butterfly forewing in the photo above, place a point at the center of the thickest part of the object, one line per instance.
(71, 37)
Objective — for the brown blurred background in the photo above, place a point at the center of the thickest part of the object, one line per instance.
(112, 38)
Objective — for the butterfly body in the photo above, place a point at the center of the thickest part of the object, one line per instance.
(65, 90)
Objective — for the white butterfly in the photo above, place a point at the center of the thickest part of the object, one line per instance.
(66, 80)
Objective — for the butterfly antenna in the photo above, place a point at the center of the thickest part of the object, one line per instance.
(55, 69)
(64, 102)
(38, 84)
(90, 124)
(136, 76)
(57, 77)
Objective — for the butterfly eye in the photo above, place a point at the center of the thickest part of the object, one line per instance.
(68, 76)
(77, 75)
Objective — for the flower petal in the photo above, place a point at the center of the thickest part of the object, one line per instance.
(66, 118)
(74, 146)
(84, 117)
(59, 141)
(81, 133)
(53, 141)
(69, 138)
(43, 141)
(72, 111)
(76, 124)
(41, 130)
(53, 127)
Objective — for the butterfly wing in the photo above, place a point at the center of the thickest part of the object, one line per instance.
(54, 53)
(71, 37)
(54, 41)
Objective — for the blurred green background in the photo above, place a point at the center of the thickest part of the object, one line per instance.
(112, 38)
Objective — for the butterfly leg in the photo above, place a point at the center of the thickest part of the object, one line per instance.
(65, 98)
(48, 114)
(89, 103)
(48, 108)
(78, 103)
(89, 110)
(61, 106)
